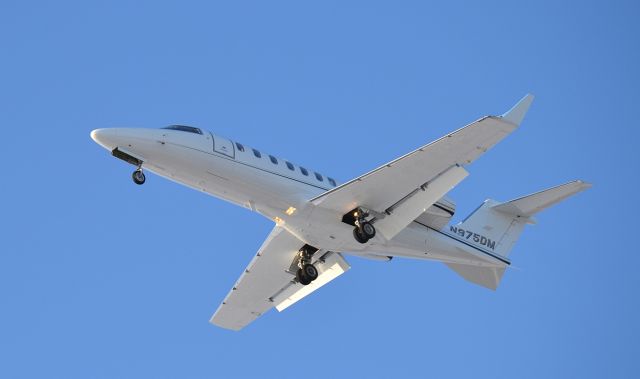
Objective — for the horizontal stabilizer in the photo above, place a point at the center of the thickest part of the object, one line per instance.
(529, 205)
(497, 226)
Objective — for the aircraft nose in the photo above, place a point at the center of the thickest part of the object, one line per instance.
(105, 137)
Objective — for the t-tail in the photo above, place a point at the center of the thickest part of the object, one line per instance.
(499, 225)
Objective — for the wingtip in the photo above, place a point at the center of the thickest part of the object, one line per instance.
(584, 185)
(516, 114)
(576, 186)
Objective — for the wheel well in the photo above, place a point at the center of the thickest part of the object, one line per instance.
(126, 157)
(309, 249)
(349, 218)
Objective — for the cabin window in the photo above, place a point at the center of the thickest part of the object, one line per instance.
(333, 182)
(318, 176)
(239, 146)
(289, 165)
(184, 128)
(304, 171)
(273, 159)
(257, 153)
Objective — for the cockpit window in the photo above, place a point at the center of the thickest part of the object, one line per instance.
(184, 128)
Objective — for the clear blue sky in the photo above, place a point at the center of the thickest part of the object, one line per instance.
(100, 278)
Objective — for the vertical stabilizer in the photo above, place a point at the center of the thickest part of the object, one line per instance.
(499, 225)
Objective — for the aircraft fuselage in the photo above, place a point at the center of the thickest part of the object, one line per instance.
(277, 189)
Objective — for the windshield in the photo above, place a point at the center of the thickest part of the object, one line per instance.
(183, 128)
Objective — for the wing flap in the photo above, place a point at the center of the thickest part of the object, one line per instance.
(402, 214)
(330, 266)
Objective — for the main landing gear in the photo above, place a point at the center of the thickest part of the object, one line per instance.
(307, 272)
(364, 230)
(138, 176)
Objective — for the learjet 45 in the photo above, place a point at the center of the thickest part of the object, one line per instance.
(399, 209)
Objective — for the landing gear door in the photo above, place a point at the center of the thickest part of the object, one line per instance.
(223, 146)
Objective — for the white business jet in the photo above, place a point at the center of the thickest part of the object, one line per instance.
(397, 210)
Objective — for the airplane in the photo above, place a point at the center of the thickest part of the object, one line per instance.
(399, 209)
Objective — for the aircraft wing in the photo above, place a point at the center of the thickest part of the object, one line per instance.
(269, 280)
(399, 191)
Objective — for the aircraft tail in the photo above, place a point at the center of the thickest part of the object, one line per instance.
(497, 226)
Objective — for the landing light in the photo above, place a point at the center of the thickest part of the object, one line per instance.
(290, 211)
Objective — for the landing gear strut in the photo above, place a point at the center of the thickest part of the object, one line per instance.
(364, 230)
(138, 176)
(307, 272)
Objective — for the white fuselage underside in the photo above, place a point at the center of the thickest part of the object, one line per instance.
(214, 165)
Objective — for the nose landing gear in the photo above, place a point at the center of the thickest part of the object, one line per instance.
(138, 176)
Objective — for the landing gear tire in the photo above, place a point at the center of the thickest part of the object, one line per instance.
(302, 278)
(364, 230)
(307, 274)
(310, 271)
(138, 177)
(368, 230)
(359, 236)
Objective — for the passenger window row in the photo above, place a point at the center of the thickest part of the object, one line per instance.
(289, 165)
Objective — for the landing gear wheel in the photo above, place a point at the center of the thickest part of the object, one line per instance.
(368, 230)
(138, 177)
(306, 272)
(310, 271)
(359, 236)
(302, 278)
(364, 230)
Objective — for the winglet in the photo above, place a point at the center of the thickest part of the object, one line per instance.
(516, 114)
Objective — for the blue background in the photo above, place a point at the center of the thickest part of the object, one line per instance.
(101, 278)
